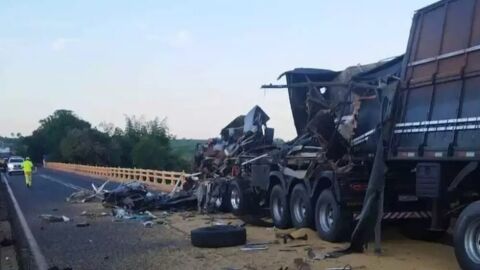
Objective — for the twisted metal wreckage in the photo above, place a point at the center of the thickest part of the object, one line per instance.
(339, 118)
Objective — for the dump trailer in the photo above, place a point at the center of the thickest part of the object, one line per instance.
(436, 121)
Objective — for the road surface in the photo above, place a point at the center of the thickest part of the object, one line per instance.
(103, 245)
(106, 244)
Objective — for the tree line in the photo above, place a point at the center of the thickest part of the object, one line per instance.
(64, 137)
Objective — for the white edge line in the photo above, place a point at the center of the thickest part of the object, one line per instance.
(72, 186)
(40, 260)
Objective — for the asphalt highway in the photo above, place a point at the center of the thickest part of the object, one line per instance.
(104, 244)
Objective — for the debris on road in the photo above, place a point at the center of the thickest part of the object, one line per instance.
(131, 196)
(218, 236)
(253, 247)
(83, 224)
(295, 235)
(317, 255)
(84, 195)
(347, 267)
(135, 196)
(53, 219)
(300, 264)
(148, 224)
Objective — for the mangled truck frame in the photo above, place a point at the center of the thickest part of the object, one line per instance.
(421, 111)
(401, 134)
(319, 178)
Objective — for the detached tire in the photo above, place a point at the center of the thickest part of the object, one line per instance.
(301, 207)
(332, 222)
(466, 237)
(218, 236)
(279, 209)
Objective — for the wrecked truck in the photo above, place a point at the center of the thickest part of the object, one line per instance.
(221, 161)
(319, 178)
(426, 107)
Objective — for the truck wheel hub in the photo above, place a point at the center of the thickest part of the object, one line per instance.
(326, 217)
(299, 210)
(235, 199)
(278, 208)
(472, 240)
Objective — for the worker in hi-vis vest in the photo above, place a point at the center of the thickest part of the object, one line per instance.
(27, 166)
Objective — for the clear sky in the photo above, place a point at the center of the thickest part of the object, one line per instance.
(197, 63)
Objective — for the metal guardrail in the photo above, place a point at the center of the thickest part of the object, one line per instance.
(163, 180)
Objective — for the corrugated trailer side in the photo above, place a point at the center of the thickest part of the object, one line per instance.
(438, 105)
(436, 122)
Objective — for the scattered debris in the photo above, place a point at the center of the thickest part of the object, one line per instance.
(253, 247)
(295, 235)
(52, 218)
(299, 245)
(298, 235)
(316, 255)
(83, 224)
(93, 215)
(347, 267)
(123, 214)
(148, 224)
(85, 195)
(288, 250)
(135, 196)
(300, 264)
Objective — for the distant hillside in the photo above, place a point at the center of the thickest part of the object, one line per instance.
(185, 147)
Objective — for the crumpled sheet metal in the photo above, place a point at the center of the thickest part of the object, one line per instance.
(135, 196)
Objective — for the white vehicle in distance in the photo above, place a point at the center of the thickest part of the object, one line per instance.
(14, 165)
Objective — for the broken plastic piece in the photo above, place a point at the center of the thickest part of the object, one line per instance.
(148, 224)
(52, 218)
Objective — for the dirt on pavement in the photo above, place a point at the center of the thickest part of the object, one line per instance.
(398, 252)
(167, 246)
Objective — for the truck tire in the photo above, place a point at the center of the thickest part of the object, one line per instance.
(218, 236)
(239, 197)
(466, 237)
(332, 222)
(279, 210)
(300, 207)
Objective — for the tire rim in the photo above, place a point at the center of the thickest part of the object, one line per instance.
(326, 217)
(472, 241)
(235, 199)
(299, 210)
(278, 209)
(218, 202)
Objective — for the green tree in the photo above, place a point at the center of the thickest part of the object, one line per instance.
(86, 146)
(65, 137)
(45, 140)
